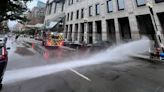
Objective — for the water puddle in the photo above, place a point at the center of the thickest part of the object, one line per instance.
(23, 51)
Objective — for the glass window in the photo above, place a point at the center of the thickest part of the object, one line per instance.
(55, 7)
(68, 17)
(109, 6)
(77, 14)
(82, 13)
(90, 10)
(158, 1)
(141, 2)
(71, 15)
(121, 4)
(50, 8)
(71, 1)
(97, 9)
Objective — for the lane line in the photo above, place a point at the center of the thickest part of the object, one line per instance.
(81, 75)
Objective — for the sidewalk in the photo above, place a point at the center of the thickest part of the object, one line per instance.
(146, 57)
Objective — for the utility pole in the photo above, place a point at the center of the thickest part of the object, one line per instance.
(157, 32)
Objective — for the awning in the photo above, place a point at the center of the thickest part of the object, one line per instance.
(30, 26)
(54, 21)
(39, 26)
(51, 25)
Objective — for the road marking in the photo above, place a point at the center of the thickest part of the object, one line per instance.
(81, 75)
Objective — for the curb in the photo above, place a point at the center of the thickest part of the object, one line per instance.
(64, 47)
(155, 61)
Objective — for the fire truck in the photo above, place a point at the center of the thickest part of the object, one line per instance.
(52, 39)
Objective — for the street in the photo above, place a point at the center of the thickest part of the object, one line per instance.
(82, 46)
(31, 69)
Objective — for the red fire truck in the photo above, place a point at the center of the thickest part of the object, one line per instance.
(52, 39)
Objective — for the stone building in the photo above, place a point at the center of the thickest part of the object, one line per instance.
(36, 15)
(91, 21)
(55, 15)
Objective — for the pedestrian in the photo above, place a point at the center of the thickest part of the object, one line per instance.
(5, 38)
(16, 37)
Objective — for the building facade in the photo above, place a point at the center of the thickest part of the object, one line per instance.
(91, 21)
(55, 15)
(36, 15)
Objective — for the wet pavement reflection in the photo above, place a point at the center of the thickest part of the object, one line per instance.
(23, 51)
(53, 54)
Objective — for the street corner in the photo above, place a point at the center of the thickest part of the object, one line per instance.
(147, 58)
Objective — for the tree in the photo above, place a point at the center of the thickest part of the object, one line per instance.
(3, 27)
(13, 10)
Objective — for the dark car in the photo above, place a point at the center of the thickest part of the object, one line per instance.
(75, 45)
(101, 45)
(3, 60)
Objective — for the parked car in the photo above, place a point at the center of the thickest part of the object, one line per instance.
(101, 45)
(3, 59)
(75, 45)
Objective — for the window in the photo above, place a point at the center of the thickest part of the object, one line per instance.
(90, 10)
(68, 17)
(82, 13)
(77, 14)
(47, 9)
(55, 7)
(158, 1)
(141, 2)
(97, 9)
(71, 15)
(50, 8)
(121, 4)
(71, 1)
(62, 7)
(109, 6)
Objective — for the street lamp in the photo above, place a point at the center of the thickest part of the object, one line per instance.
(157, 32)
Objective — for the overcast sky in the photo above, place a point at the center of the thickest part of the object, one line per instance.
(30, 6)
(34, 2)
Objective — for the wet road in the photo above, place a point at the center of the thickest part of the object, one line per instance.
(123, 76)
(23, 55)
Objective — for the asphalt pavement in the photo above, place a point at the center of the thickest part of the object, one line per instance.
(130, 75)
